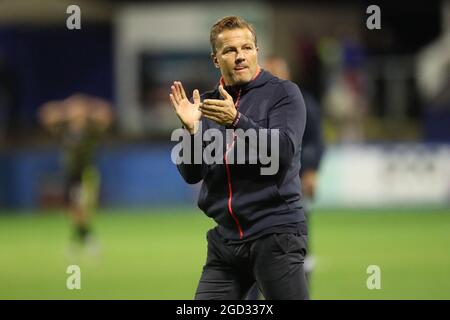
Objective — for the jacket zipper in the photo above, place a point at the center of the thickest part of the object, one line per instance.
(230, 189)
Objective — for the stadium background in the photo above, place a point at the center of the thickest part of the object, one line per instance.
(384, 185)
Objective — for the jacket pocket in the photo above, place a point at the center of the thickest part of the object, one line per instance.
(291, 243)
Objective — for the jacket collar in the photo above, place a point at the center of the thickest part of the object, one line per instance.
(260, 78)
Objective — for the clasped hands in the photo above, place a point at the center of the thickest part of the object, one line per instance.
(222, 112)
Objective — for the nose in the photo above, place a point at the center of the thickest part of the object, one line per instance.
(240, 56)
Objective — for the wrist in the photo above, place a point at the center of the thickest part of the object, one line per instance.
(236, 119)
(192, 129)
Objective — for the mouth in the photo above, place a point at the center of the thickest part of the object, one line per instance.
(240, 68)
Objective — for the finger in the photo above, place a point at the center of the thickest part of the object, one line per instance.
(215, 102)
(174, 102)
(211, 108)
(175, 94)
(177, 89)
(213, 118)
(181, 89)
(196, 96)
(210, 113)
(224, 93)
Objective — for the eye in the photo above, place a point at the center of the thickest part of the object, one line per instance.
(228, 50)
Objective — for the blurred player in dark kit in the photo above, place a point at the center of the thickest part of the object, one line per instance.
(78, 122)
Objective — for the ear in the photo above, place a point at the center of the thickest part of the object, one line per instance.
(214, 59)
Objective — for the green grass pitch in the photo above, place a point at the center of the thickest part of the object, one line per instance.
(159, 253)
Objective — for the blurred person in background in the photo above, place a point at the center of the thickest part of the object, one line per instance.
(260, 235)
(78, 122)
(312, 150)
(312, 144)
(433, 81)
(345, 99)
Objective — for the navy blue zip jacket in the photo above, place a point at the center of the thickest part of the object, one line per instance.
(243, 202)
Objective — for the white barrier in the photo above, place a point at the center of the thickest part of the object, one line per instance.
(398, 175)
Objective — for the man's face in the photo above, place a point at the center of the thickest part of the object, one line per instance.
(236, 56)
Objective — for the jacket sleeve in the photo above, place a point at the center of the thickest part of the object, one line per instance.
(194, 169)
(288, 116)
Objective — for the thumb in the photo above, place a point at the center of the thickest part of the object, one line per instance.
(196, 96)
(224, 93)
